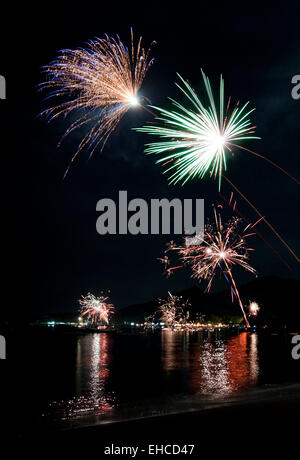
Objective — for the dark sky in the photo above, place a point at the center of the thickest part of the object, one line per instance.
(55, 254)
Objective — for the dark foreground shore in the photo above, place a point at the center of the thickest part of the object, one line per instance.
(276, 404)
(270, 416)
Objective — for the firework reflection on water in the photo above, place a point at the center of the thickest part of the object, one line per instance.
(214, 367)
(93, 367)
(186, 370)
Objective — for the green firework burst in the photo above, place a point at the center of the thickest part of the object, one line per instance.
(196, 140)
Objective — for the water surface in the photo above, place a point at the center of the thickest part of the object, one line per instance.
(68, 378)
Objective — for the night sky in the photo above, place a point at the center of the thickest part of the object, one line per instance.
(55, 254)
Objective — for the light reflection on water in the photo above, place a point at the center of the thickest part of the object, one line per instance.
(212, 366)
(202, 365)
(93, 360)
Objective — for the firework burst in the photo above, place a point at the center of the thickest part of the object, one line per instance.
(171, 310)
(96, 309)
(196, 141)
(101, 83)
(253, 308)
(222, 248)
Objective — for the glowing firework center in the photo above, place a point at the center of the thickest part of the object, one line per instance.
(96, 310)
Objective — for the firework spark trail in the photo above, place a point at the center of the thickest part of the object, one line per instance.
(256, 231)
(223, 248)
(237, 292)
(265, 220)
(97, 309)
(101, 83)
(269, 161)
(197, 141)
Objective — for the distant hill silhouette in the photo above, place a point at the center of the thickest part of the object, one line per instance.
(277, 297)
